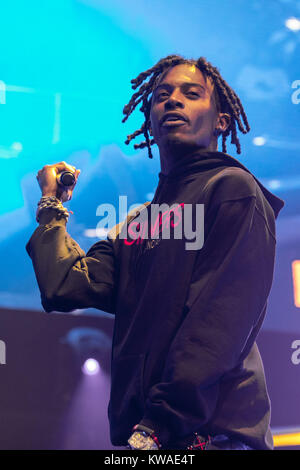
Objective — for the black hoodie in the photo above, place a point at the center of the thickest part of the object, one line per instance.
(184, 356)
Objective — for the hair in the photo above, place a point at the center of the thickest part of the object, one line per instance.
(226, 100)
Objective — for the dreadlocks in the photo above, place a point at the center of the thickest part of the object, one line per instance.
(226, 99)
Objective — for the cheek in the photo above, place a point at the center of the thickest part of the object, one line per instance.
(154, 122)
(204, 120)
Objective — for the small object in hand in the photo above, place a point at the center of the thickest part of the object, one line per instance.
(65, 178)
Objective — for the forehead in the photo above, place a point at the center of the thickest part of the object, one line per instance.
(184, 73)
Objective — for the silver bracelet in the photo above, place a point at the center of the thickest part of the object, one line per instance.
(52, 202)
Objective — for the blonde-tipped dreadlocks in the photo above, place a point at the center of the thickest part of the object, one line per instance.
(226, 99)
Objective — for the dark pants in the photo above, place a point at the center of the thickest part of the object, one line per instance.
(222, 442)
(219, 442)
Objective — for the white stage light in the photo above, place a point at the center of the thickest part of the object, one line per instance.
(259, 141)
(293, 24)
(91, 367)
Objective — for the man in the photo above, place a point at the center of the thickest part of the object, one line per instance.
(186, 371)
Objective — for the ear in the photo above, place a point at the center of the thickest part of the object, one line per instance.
(223, 122)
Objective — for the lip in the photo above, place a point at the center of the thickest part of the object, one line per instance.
(177, 123)
(180, 119)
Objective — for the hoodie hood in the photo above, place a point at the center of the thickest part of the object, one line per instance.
(204, 160)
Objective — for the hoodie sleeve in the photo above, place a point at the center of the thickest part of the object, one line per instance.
(68, 278)
(231, 281)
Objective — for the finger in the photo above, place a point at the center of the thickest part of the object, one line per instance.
(77, 173)
(70, 167)
(64, 196)
(64, 166)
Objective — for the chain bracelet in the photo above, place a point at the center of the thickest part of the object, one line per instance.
(52, 202)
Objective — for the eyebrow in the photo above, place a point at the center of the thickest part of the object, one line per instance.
(184, 84)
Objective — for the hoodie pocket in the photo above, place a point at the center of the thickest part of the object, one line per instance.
(126, 399)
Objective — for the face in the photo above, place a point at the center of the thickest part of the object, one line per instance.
(183, 109)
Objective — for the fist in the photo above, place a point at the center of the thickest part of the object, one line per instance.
(47, 179)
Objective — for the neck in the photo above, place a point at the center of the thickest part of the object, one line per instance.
(171, 155)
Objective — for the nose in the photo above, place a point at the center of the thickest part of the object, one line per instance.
(174, 101)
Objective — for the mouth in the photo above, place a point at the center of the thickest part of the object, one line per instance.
(173, 119)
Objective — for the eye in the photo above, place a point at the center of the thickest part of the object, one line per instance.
(193, 94)
(162, 95)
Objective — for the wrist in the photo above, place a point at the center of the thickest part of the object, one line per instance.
(48, 194)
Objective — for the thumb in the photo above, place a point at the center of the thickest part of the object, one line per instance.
(66, 195)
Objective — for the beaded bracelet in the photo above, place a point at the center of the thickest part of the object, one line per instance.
(52, 202)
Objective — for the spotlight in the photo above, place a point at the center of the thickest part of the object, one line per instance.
(17, 146)
(259, 141)
(89, 347)
(91, 366)
(2, 92)
(296, 282)
(274, 184)
(293, 24)
(96, 233)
